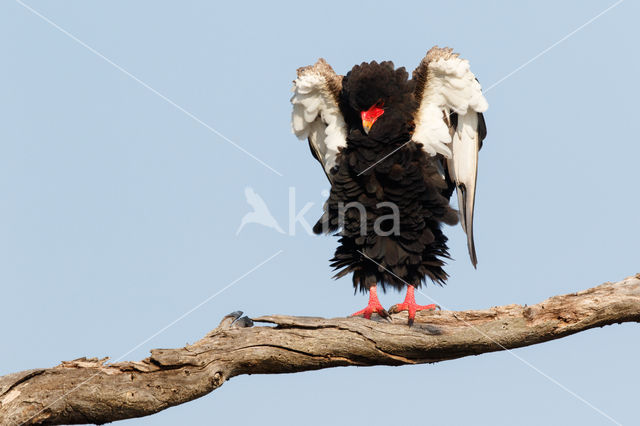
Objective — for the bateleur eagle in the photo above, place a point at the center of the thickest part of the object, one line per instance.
(394, 149)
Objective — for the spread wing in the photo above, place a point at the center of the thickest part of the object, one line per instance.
(316, 112)
(449, 122)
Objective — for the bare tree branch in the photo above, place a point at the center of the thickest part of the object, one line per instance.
(92, 391)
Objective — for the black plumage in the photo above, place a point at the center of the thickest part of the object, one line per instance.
(385, 166)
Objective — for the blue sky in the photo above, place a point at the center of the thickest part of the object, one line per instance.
(120, 204)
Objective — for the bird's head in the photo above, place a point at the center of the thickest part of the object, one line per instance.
(377, 93)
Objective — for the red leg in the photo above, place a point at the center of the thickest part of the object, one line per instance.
(410, 305)
(373, 306)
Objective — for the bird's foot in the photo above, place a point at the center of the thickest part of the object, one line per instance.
(373, 306)
(411, 306)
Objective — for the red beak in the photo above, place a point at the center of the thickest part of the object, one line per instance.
(370, 116)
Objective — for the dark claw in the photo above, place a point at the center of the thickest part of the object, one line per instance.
(410, 322)
(384, 314)
(393, 309)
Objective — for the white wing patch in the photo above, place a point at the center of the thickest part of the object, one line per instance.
(463, 170)
(449, 87)
(316, 114)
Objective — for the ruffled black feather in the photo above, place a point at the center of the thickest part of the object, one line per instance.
(406, 177)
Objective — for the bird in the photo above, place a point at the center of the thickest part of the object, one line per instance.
(394, 149)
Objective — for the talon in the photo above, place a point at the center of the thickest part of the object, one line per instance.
(411, 306)
(373, 306)
(384, 314)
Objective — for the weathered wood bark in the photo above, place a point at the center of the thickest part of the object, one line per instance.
(92, 391)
